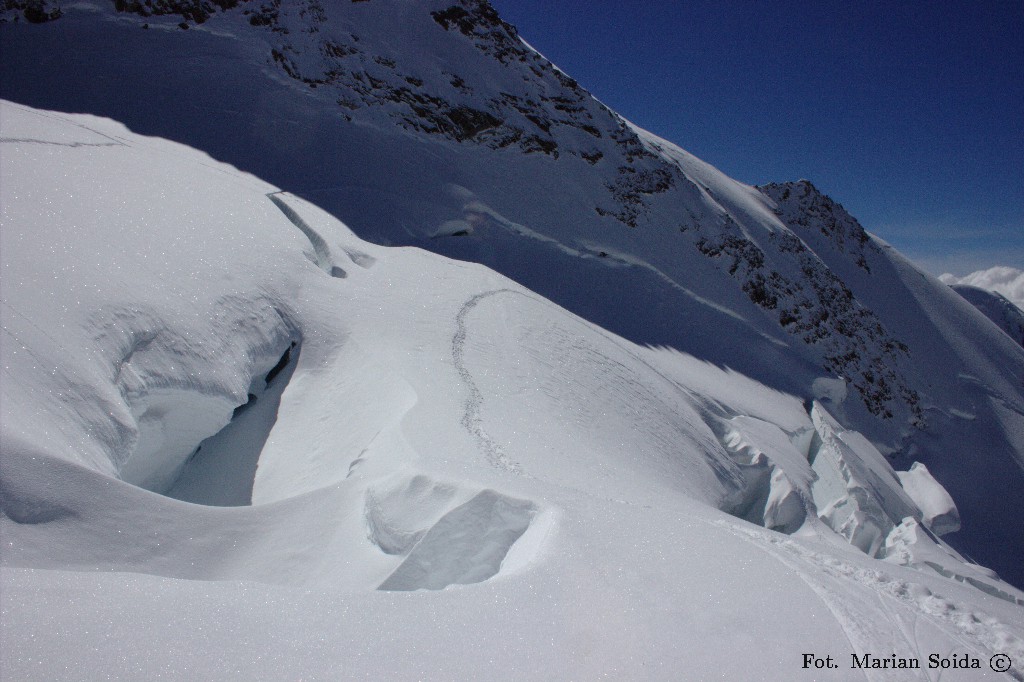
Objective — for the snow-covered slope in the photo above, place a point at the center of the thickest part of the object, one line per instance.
(432, 124)
(238, 442)
(998, 293)
(997, 308)
(1003, 280)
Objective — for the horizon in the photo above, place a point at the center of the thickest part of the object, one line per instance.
(908, 116)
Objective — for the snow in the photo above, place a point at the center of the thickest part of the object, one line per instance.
(562, 195)
(940, 513)
(447, 476)
(1000, 278)
(467, 545)
(858, 495)
(996, 308)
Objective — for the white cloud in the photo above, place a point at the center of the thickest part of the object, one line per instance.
(1002, 279)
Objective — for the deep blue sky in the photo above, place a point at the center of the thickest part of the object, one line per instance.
(910, 114)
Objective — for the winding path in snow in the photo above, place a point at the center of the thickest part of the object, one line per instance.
(471, 419)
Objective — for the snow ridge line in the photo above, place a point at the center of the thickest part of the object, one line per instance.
(471, 419)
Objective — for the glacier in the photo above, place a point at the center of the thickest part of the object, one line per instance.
(447, 462)
(691, 426)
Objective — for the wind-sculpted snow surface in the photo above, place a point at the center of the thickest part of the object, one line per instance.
(214, 444)
(430, 123)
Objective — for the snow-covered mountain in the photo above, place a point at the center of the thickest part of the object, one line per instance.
(433, 124)
(242, 443)
(207, 377)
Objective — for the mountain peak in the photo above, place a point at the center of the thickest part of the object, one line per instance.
(803, 207)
